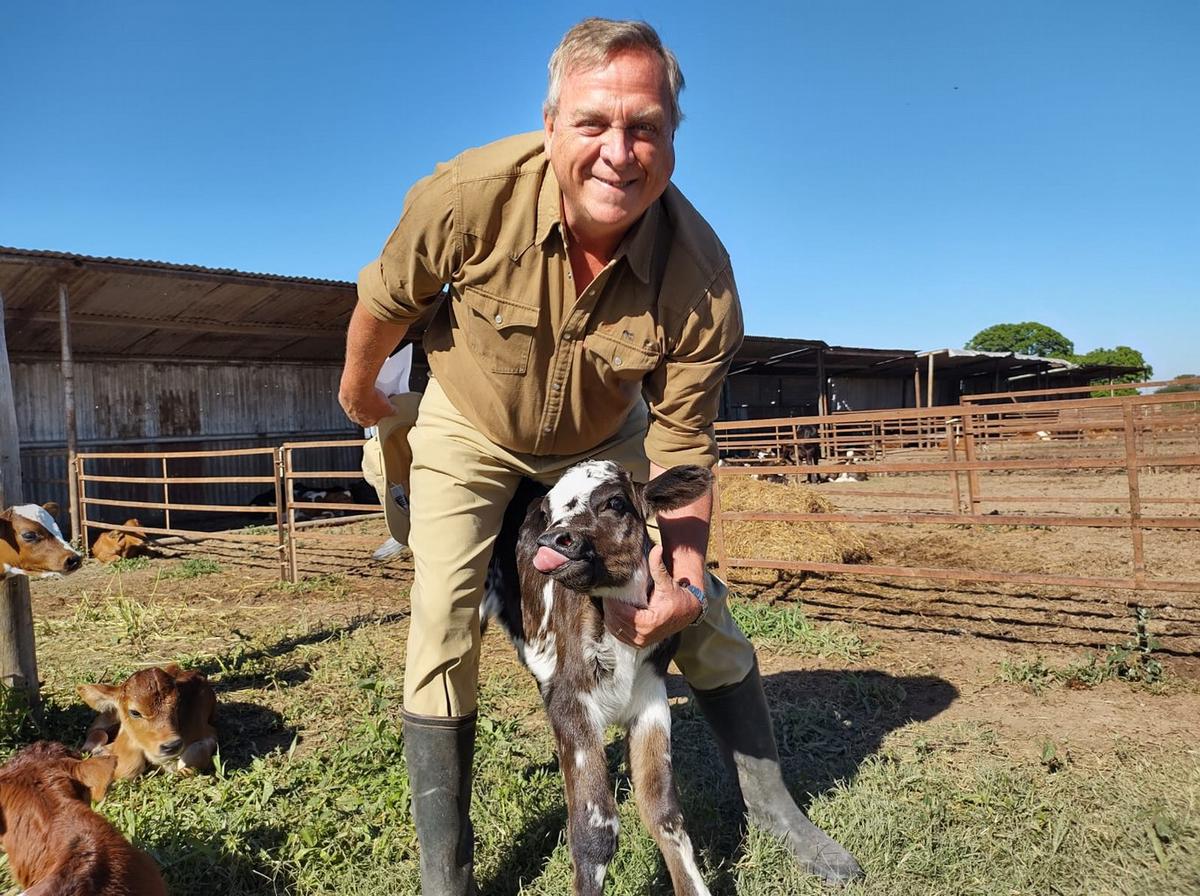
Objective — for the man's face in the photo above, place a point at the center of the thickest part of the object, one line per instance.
(611, 143)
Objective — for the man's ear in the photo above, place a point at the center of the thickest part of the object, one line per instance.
(100, 697)
(96, 774)
(677, 487)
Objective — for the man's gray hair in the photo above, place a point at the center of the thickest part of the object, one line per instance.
(593, 42)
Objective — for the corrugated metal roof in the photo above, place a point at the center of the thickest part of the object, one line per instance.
(149, 264)
(132, 308)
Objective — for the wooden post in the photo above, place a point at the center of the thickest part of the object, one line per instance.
(280, 527)
(68, 375)
(166, 494)
(1135, 498)
(822, 384)
(929, 384)
(952, 456)
(18, 656)
(968, 424)
(293, 570)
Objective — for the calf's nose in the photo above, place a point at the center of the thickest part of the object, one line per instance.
(171, 746)
(73, 563)
(569, 544)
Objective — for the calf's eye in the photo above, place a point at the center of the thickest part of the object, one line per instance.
(29, 536)
(135, 713)
(617, 504)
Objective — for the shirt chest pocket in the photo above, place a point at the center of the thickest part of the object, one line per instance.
(623, 352)
(499, 332)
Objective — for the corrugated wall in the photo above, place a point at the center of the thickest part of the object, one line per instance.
(142, 406)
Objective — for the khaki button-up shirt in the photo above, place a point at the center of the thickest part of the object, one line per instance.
(542, 365)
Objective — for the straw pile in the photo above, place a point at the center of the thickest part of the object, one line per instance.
(814, 542)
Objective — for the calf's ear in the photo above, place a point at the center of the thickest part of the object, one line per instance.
(51, 508)
(96, 774)
(100, 697)
(7, 532)
(677, 487)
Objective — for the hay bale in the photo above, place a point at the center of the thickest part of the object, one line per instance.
(812, 542)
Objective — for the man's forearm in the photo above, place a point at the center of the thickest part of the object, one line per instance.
(369, 341)
(685, 536)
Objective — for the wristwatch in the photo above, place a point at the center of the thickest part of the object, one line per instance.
(700, 599)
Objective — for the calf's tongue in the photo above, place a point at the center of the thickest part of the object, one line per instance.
(547, 560)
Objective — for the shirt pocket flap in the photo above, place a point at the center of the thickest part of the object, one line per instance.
(501, 313)
(624, 351)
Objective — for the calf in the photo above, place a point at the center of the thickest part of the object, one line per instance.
(584, 543)
(32, 544)
(56, 844)
(117, 544)
(161, 717)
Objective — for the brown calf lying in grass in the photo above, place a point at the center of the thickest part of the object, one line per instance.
(56, 844)
(161, 717)
(115, 544)
(32, 544)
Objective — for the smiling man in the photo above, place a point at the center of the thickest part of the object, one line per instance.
(580, 308)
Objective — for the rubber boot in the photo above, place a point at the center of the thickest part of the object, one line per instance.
(741, 721)
(439, 753)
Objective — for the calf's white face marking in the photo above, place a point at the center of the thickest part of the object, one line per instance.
(577, 485)
(38, 514)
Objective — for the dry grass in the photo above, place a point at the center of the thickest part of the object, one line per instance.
(812, 542)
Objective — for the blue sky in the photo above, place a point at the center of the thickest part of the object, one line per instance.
(887, 174)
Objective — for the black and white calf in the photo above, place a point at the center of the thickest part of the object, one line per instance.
(554, 566)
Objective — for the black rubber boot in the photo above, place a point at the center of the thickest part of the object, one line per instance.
(741, 721)
(439, 753)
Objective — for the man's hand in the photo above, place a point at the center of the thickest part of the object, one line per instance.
(366, 407)
(670, 609)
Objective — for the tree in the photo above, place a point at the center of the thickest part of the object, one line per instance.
(1121, 356)
(1027, 338)
(1181, 386)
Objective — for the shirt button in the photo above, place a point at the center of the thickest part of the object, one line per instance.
(547, 429)
(499, 319)
(554, 387)
(617, 362)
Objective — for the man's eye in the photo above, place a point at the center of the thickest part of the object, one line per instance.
(591, 128)
(645, 130)
(135, 713)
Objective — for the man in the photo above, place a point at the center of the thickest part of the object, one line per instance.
(590, 312)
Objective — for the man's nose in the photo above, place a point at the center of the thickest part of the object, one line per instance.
(616, 147)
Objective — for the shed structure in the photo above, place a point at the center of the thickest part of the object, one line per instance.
(162, 356)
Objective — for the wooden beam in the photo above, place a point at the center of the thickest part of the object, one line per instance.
(194, 325)
(68, 375)
(18, 658)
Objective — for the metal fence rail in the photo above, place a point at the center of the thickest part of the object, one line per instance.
(1124, 435)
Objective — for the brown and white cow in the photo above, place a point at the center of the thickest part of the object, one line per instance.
(32, 544)
(581, 544)
(56, 844)
(160, 716)
(119, 544)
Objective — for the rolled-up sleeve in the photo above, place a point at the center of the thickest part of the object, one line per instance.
(420, 256)
(684, 393)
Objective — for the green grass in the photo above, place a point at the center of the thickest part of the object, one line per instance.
(129, 564)
(785, 628)
(193, 568)
(311, 795)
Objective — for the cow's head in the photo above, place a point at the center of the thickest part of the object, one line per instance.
(116, 544)
(59, 773)
(147, 705)
(32, 544)
(594, 535)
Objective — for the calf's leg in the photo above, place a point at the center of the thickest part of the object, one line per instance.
(658, 804)
(592, 822)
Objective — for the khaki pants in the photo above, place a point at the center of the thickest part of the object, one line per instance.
(461, 484)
